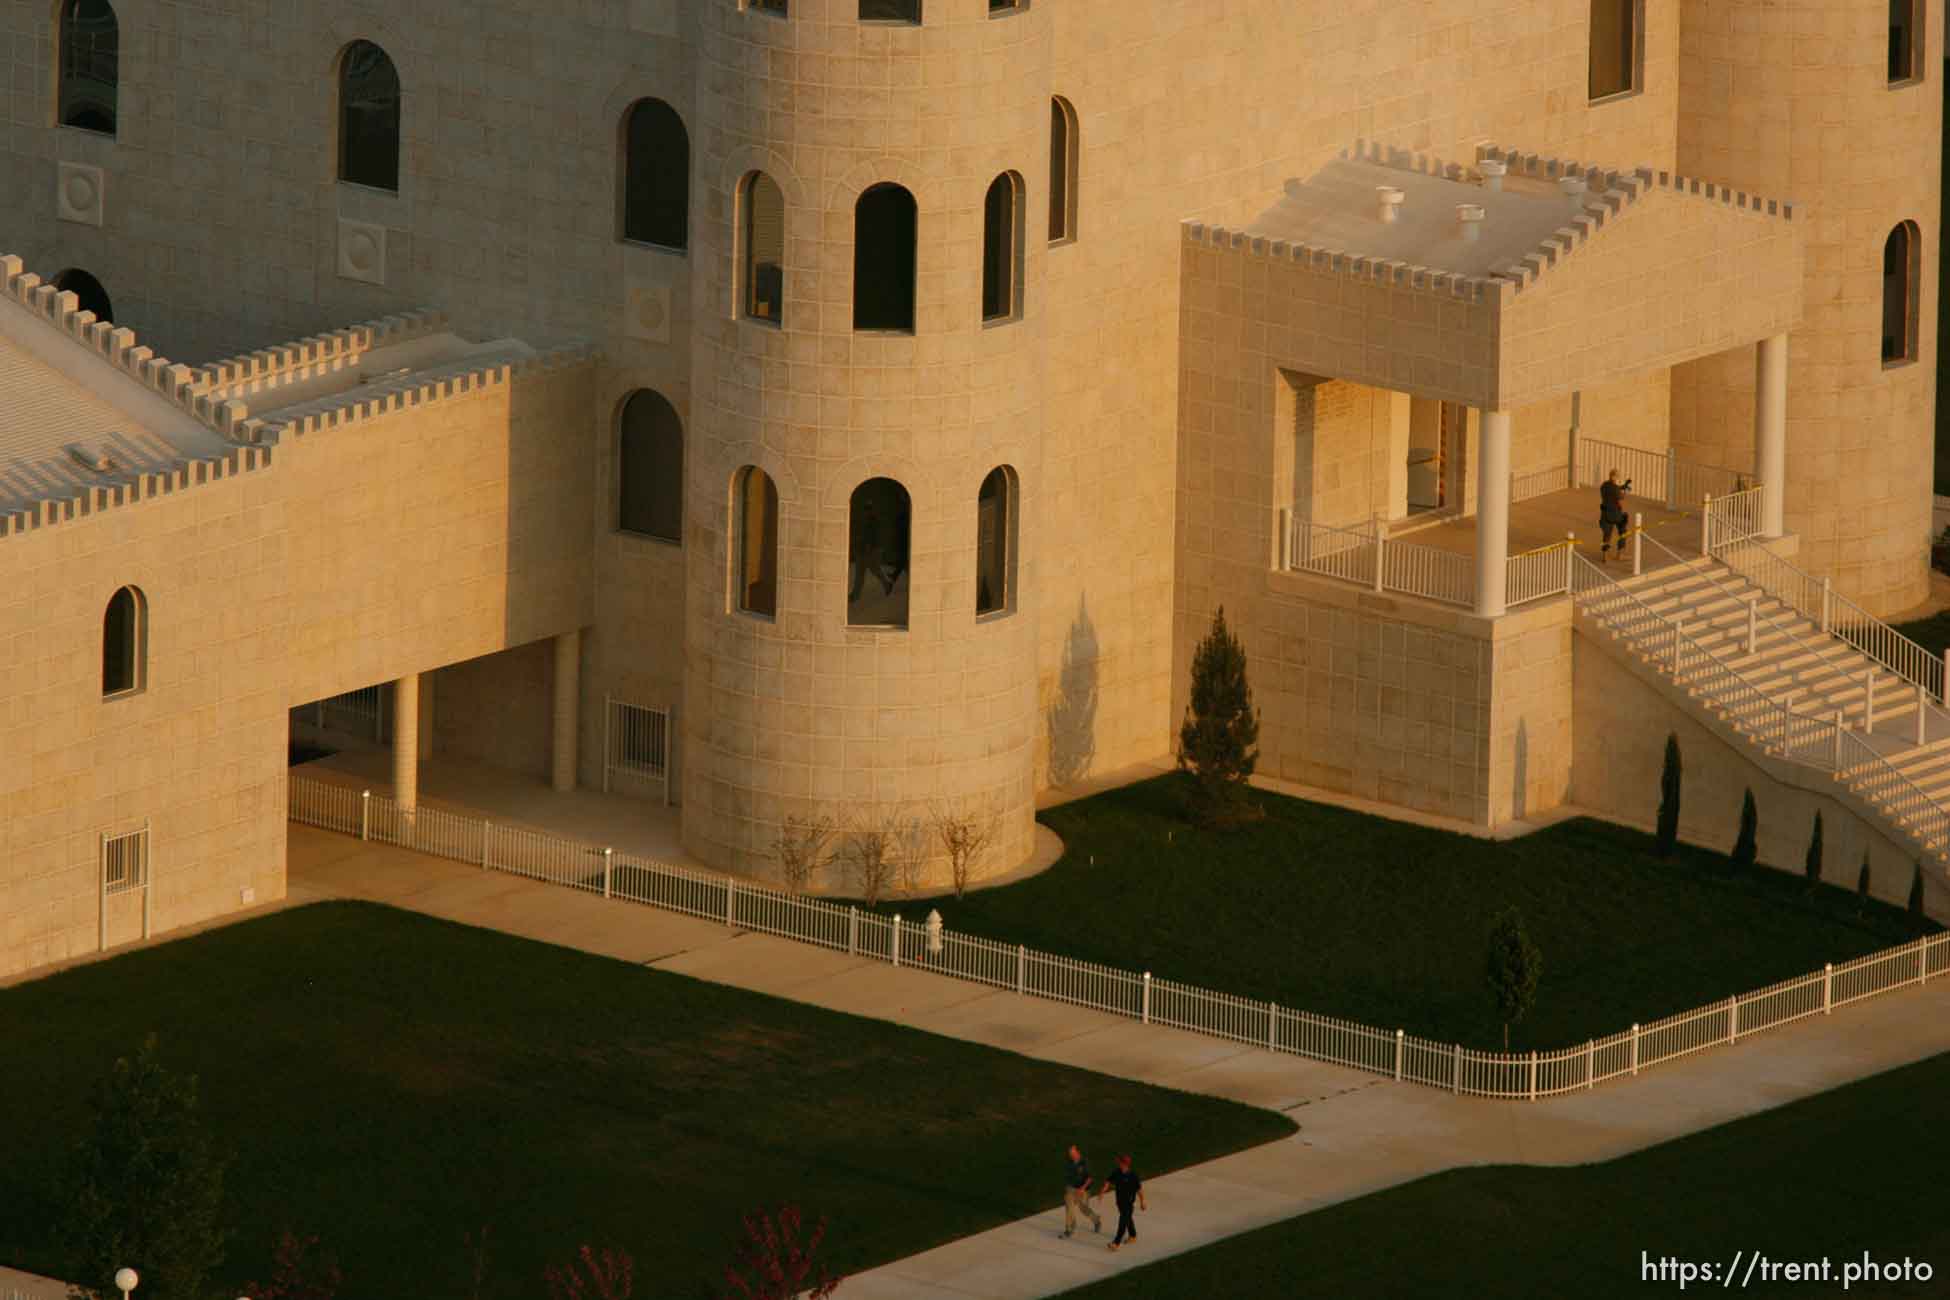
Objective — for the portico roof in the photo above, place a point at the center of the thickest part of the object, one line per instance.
(1576, 275)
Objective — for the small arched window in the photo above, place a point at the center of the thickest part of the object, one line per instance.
(896, 11)
(1062, 171)
(650, 468)
(995, 543)
(764, 260)
(125, 649)
(90, 65)
(884, 226)
(369, 117)
(1901, 264)
(1002, 248)
(1617, 47)
(755, 550)
(879, 520)
(656, 176)
(88, 292)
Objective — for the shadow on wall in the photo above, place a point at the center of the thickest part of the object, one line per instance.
(1073, 713)
(1520, 772)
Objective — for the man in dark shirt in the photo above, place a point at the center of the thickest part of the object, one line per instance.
(1611, 515)
(1076, 1194)
(1130, 1192)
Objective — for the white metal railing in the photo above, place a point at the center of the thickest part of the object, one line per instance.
(360, 713)
(1428, 572)
(636, 744)
(1539, 482)
(1533, 575)
(1656, 475)
(1345, 553)
(1367, 556)
(1137, 996)
(1729, 519)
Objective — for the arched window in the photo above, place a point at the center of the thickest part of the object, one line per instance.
(1062, 170)
(764, 261)
(898, 11)
(1617, 47)
(125, 648)
(1901, 264)
(650, 468)
(656, 176)
(995, 543)
(1905, 59)
(91, 52)
(369, 117)
(755, 558)
(1002, 248)
(88, 292)
(884, 224)
(878, 524)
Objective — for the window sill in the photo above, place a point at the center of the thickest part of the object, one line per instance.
(1616, 96)
(674, 543)
(379, 191)
(131, 693)
(1009, 11)
(883, 331)
(1063, 241)
(756, 616)
(994, 322)
(1908, 82)
(87, 130)
(1898, 363)
(993, 616)
(876, 627)
(672, 250)
(774, 323)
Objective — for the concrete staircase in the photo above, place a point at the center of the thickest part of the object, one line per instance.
(1769, 674)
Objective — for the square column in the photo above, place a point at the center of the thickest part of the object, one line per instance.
(568, 701)
(1492, 511)
(406, 742)
(1770, 431)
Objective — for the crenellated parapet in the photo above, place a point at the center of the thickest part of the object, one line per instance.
(468, 376)
(140, 487)
(239, 377)
(1360, 268)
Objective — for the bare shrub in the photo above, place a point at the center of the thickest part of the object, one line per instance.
(964, 835)
(870, 852)
(912, 838)
(802, 848)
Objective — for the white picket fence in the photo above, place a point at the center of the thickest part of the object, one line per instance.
(1138, 996)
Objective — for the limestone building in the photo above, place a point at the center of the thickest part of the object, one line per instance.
(840, 405)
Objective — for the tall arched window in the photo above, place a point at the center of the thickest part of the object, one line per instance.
(88, 292)
(1062, 170)
(755, 550)
(764, 260)
(1901, 264)
(995, 543)
(884, 226)
(1617, 47)
(656, 176)
(650, 468)
(1905, 58)
(125, 649)
(90, 64)
(899, 11)
(1002, 248)
(369, 117)
(879, 521)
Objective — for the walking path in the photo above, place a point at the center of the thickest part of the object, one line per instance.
(1358, 1133)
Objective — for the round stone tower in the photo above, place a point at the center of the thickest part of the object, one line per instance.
(838, 668)
(1839, 107)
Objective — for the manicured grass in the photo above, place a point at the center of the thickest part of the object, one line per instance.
(1349, 915)
(1856, 1169)
(391, 1082)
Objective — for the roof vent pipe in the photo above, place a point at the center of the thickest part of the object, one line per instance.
(1573, 188)
(1388, 199)
(1469, 219)
(1492, 173)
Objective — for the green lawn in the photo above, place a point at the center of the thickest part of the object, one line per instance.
(1351, 915)
(391, 1083)
(1856, 1169)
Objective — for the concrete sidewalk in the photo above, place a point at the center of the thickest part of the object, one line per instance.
(1359, 1133)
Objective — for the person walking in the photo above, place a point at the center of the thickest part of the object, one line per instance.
(1076, 1194)
(1611, 515)
(1130, 1195)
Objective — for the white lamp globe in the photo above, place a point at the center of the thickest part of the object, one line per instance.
(125, 1280)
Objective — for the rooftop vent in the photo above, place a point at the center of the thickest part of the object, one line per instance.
(1469, 219)
(1573, 188)
(1388, 200)
(99, 462)
(1492, 173)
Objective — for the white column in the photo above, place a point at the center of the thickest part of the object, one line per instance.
(1492, 511)
(568, 700)
(1770, 430)
(406, 742)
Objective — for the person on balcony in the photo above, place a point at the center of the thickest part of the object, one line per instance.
(1611, 515)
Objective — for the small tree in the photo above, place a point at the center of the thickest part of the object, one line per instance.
(1862, 885)
(964, 837)
(801, 849)
(1812, 869)
(1219, 740)
(1745, 848)
(870, 852)
(1669, 798)
(1916, 892)
(608, 1276)
(772, 1265)
(145, 1184)
(910, 839)
(299, 1271)
(1514, 968)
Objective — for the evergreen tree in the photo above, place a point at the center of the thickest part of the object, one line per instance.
(1669, 798)
(1219, 741)
(1746, 848)
(146, 1186)
(1513, 970)
(1916, 892)
(1812, 868)
(1862, 884)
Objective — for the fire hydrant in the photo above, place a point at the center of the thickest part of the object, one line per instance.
(934, 933)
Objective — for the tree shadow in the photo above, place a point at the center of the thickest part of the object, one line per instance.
(1520, 772)
(1073, 712)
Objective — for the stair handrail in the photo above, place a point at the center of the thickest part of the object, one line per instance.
(1905, 658)
(1937, 844)
(1703, 565)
